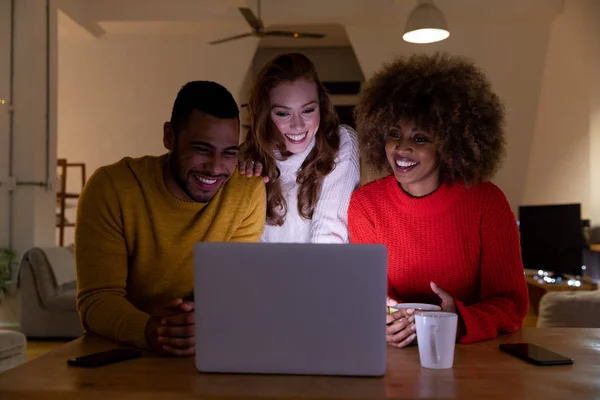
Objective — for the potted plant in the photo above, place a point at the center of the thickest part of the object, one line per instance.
(7, 258)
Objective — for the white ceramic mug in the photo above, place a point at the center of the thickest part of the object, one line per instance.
(436, 334)
(415, 306)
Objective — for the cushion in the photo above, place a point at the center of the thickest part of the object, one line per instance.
(570, 309)
(51, 296)
(12, 344)
(61, 262)
(63, 302)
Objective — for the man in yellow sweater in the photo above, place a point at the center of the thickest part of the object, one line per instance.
(138, 220)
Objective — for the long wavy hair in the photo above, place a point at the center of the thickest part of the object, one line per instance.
(266, 144)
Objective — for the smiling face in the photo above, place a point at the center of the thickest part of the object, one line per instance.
(203, 156)
(295, 112)
(414, 159)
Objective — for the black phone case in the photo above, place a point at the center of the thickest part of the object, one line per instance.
(534, 361)
(104, 358)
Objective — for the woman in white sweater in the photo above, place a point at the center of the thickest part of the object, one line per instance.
(309, 161)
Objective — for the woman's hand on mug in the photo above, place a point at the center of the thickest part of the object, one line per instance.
(447, 300)
(391, 302)
(250, 168)
(448, 305)
(400, 330)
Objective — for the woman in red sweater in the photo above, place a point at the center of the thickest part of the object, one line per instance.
(436, 125)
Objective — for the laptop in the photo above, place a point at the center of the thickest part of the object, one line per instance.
(290, 308)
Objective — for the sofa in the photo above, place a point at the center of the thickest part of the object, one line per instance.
(576, 308)
(570, 309)
(47, 283)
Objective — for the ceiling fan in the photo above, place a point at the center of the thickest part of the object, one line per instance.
(258, 29)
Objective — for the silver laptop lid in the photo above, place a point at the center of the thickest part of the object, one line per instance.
(290, 308)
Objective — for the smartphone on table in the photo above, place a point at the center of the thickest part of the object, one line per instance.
(104, 358)
(535, 354)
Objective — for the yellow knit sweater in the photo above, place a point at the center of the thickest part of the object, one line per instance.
(134, 240)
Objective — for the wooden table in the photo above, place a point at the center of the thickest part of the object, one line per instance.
(480, 371)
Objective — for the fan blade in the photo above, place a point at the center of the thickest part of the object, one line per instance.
(309, 35)
(304, 35)
(254, 22)
(243, 35)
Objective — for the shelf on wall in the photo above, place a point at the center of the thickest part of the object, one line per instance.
(62, 195)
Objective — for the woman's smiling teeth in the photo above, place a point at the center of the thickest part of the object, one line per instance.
(405, 163)
(296, 138)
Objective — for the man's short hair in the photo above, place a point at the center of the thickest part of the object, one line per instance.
(206, 96)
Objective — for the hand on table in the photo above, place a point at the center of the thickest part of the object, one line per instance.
(171, 329)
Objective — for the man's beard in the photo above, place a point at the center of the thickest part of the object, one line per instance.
(180, 179)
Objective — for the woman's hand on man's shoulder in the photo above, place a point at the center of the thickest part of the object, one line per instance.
(251, 168)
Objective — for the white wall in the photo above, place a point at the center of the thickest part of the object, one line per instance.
(115, 93)
(537, 67)
(512, 54)
(33, 131)
(5, 9)
(33, 199)
(333, 64)
(559, 161)
(591, 14)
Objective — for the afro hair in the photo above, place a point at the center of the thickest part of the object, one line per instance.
(447, 96)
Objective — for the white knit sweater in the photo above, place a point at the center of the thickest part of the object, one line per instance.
(329, 223)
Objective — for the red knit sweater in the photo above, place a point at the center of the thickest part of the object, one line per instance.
(466, 240)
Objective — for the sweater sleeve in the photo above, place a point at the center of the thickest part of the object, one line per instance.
(102, 267)
(253, 224)
(330, 218)
(503, 300)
